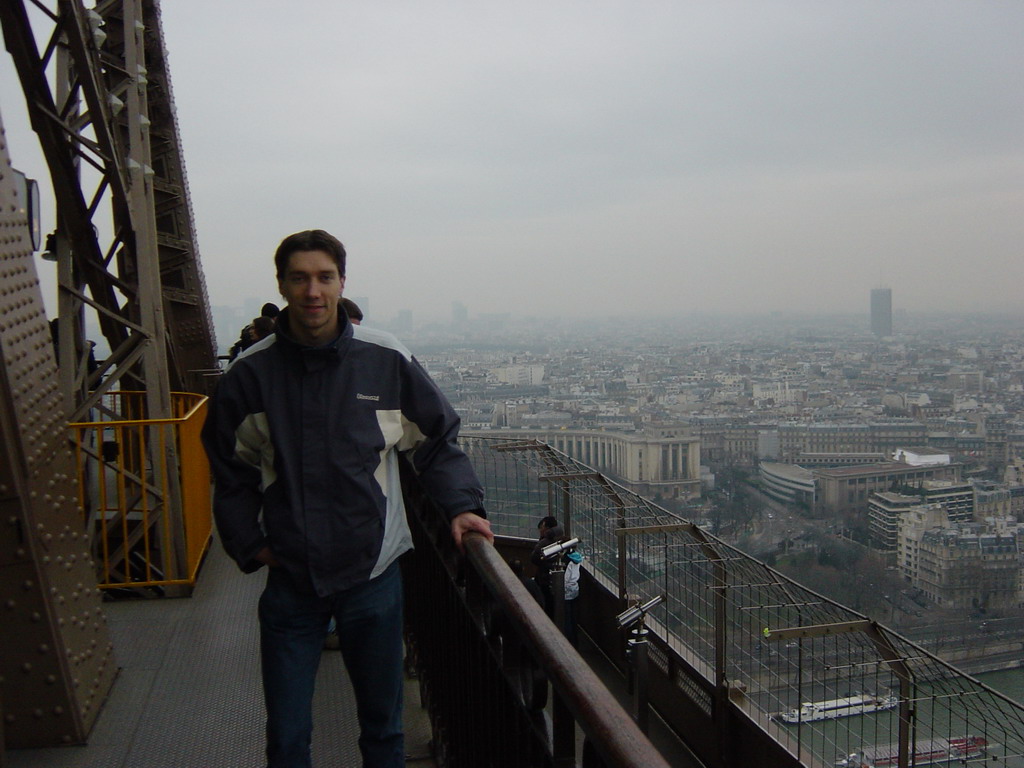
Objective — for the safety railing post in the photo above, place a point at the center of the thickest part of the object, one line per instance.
(637, 652)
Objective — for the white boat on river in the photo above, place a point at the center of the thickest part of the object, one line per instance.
(833, 709)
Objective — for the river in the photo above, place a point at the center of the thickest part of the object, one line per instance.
(1009, 682)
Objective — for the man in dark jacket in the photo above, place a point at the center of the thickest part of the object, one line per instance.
(304, 434)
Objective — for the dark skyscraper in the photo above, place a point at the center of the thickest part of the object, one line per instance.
(460, 315)
(881, 311)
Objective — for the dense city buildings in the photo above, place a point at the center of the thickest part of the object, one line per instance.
(788, 483)
(887, 509)
(852, 432)
(961, 565)
(843, 492)
(663, 468)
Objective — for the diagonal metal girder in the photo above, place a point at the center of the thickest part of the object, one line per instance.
(113, 116)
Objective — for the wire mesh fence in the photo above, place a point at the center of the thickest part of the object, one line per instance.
(829, 684)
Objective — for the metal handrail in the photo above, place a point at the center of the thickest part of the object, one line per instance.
(486, 655)
(614, 734)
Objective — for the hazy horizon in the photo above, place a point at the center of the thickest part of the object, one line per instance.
(583, 158)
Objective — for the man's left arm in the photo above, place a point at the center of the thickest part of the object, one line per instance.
(431, 432)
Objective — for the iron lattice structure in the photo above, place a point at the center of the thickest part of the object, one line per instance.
(99, 98)
(108, 131)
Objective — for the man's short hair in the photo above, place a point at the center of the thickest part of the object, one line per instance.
(309, 240)
(548, 522)
(352, 310)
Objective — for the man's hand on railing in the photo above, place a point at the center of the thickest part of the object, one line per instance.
(470, 521)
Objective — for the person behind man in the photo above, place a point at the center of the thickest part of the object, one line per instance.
(261, 328)
(572, 591)
(516, 565)
(352, 311)
(304, 434)
(257, 330)
(271, 310)
(549, 532)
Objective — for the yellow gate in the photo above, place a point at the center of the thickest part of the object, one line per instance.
(144, 487)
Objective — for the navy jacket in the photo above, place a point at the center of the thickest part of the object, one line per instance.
(304, 446)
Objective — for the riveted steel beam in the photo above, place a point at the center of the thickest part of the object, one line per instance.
(56, 661)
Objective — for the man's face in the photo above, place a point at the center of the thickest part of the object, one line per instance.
(312, 286)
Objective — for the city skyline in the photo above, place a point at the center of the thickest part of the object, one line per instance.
(469, 312)
(575, 160)
(639, 330)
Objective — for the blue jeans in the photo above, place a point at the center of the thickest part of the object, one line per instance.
(292, 630)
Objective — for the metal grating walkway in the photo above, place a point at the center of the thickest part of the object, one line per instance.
(188, 692)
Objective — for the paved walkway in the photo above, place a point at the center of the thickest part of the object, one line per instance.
(188, 691)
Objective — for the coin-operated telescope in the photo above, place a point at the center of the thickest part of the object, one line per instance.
(636, 651)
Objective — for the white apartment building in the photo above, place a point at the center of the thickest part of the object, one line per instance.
(519, 375)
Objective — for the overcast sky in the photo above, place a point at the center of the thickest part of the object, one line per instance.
(575, 158)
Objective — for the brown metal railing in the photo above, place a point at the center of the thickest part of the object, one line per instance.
(485, 652)
(144, 487)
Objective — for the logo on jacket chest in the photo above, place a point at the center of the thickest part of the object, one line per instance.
(361, 396)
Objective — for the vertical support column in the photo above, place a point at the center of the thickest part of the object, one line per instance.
(143, 210)
(68, 306)
(567, 511)
(68, 325)
(641, 676)
(141, 202)
(563, 724)
(907, 712)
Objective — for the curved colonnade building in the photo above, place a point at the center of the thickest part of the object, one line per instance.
(665, 467)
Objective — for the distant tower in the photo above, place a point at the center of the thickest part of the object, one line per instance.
(460, 315)
(881, 311)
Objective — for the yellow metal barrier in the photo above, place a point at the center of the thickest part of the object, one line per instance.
(144, 487)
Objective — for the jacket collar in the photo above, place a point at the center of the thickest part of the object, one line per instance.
(336, 346)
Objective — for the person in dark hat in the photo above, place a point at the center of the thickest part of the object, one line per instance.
(549, 532)
(355, 314)
(258, 329)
